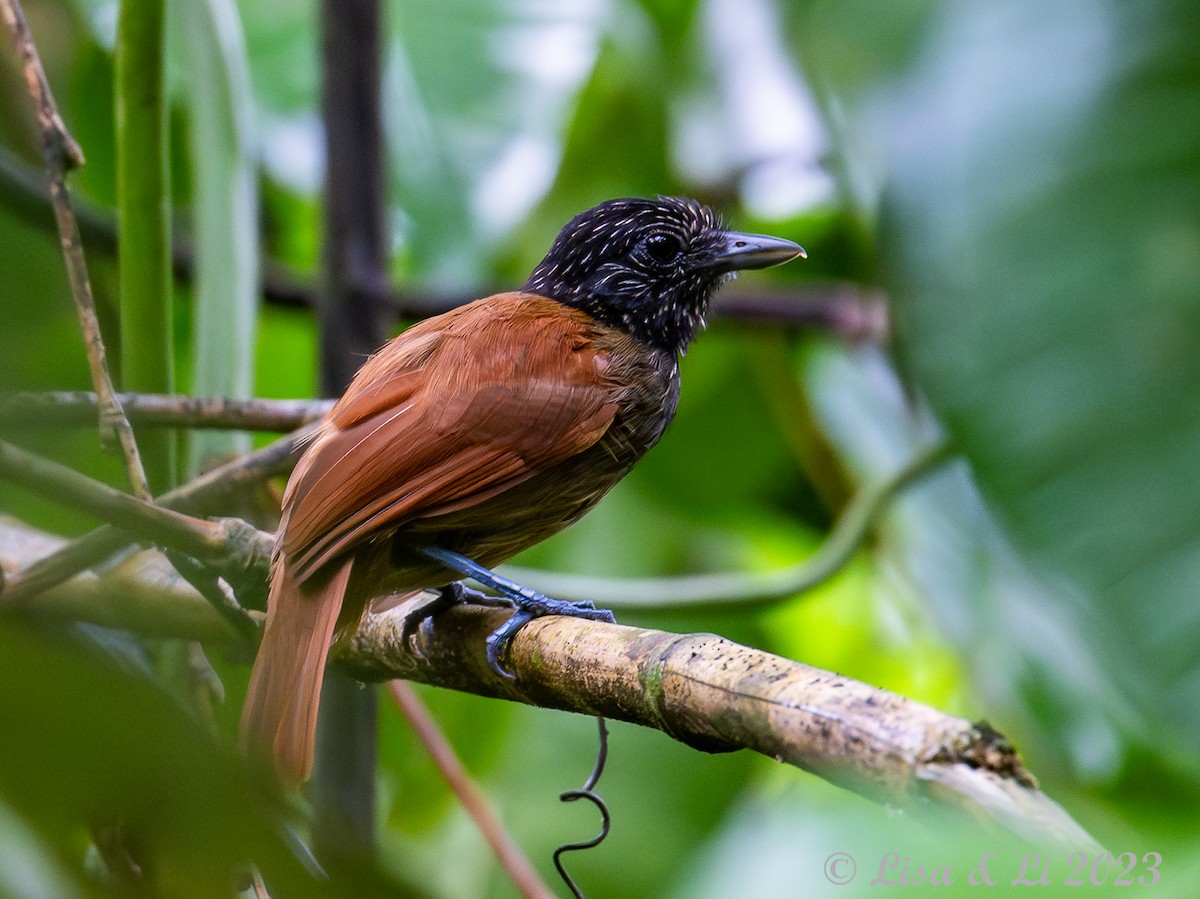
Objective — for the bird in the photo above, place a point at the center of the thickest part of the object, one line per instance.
(479, 432)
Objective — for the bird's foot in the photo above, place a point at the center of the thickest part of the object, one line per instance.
(454, 594)
(529, 603)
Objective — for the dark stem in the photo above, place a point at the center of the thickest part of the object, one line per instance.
(847, 310)
(354, 259)
(354, 284)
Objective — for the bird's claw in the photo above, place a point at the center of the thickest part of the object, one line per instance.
(499, 640)
(588, 610)
(453, 594)
(444, 598)
(535, 606)
(529, 603)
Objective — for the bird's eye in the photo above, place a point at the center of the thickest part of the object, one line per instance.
(662, 248)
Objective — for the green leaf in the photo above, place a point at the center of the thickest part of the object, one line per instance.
(1043, 247)
(224, 209)
(479, 94)
(28, 869)
(89, 744)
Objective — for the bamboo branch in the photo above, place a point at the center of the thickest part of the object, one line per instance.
(716, 695)
(703, 690)
(69, 407)
(147, 334)
(61, 153)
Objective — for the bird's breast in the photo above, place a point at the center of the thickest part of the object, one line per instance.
(646, 392)
(647, 399)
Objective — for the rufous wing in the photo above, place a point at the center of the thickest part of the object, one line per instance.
(452, 412)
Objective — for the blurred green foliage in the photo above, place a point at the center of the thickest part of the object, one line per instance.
(1021, 178)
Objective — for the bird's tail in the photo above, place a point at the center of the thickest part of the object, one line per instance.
(279, 720)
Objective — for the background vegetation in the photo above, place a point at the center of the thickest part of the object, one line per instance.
(1021, 180)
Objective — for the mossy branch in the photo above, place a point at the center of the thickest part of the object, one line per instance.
(701, 689)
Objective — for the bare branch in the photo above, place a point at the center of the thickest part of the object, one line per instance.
(842, 308)
(225, 546)
(716, 695)
(210, 542)
(700, 689)
(851, 312)
(218, 594)
(211, 491)
(69, 407)
(143, 593)
(62, 153)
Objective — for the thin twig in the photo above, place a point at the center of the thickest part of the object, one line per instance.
(747, 589)
(216, 592)
(142, 593)
(206, 689)
(207, 541)
(71, 407)
(505, 848)
(227, 544)
(61, 153)
(61, 150)
(851, 312)
(700, 689)
(207, 492)
(260, 889)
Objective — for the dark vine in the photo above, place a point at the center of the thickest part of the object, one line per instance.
(587, 792)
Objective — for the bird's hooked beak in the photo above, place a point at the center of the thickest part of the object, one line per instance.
(737, 251)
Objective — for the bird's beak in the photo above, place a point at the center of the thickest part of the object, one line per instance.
(738, 251)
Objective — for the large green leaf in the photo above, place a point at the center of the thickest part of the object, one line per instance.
(89, 744)
(224, 169)
(1042, 237)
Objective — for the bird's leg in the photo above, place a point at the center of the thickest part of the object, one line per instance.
(529, 603)
(453, 594)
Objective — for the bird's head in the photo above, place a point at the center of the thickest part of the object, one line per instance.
(650, 266)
